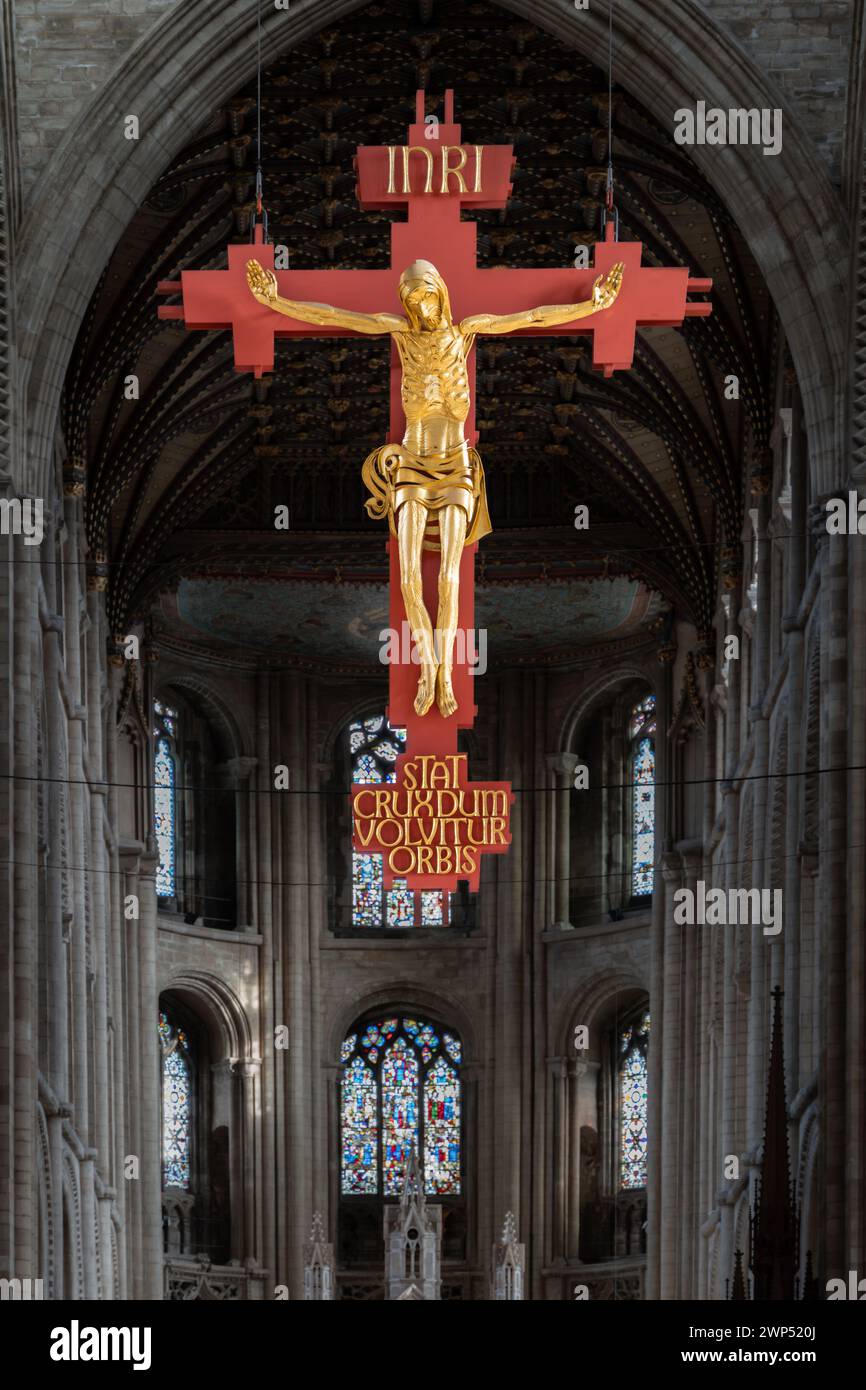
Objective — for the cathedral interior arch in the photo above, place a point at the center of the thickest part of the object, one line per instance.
(235, 1044)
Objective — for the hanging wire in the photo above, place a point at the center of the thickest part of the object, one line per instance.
(259, 210)
(608, 197)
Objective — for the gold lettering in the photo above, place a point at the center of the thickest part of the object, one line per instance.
(392, 150)
(356, 805)
(446, 171)
(410, 149)
(479, 150)
(381, 832)
(408, 867)
(439, 776)
(365, 838)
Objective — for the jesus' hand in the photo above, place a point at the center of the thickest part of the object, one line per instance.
(262, 283)
(605, 290)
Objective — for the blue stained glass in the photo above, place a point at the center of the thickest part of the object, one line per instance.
(401, 905)
(441, 1129)
(386, 750)
(418, 1098)
(431, 908)
(164, 818)
(643, 717)
(643, 817)
(176, 1107)
(358, 1130)
(633, 1105)
(374, 747)
(365, 769)
(399, 1113)
(367, 890)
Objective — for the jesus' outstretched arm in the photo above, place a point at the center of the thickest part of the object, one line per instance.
(604, 292)
(263, 286)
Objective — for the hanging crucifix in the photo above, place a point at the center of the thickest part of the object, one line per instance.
(431, 486)
(431, 824)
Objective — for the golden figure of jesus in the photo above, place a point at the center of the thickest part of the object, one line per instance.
(431, 486)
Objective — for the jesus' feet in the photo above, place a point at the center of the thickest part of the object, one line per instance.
(444, 693)
(426, 689)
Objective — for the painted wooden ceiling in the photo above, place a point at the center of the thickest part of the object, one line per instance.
(182, 483)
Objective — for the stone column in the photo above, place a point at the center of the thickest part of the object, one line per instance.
(562, 766)
(670, 1073)
(557, 1244)
(55, 964)
(239, 771)
(832, 889)
(250, 1072)
(149, 1086)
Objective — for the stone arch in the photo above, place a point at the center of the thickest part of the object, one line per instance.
(189, 62)
(218, 1008)
(213, 707)
(358, 707)
(586, 699)
(436, 1003)
(594, 1001)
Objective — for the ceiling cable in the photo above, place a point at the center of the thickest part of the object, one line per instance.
(609, 211)
(259, 211)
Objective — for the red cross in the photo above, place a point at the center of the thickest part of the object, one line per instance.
(220, 299)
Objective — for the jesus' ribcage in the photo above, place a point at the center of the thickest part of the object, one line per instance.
(435, 379)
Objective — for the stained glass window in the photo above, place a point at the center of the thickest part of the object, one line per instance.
(165, 798)
(359, 1155)
(633, 1041)
(176, 1104)
(642, 728)
(374, 747)
(442, 1128)
(400, 1086)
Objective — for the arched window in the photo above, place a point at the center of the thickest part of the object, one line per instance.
(165, 797)
(373, 749)
(632, 1101)
(176, 1104)
(642, 767)
(400, 1087)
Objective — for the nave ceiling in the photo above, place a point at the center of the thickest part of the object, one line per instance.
(181, 484)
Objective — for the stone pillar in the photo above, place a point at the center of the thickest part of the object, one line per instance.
(562, 766)
(239, 772)
(834, 829)
(55, 965)
(149, 1086)
(250, 1073)
(669, 1155)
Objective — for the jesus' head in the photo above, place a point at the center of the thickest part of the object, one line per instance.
(424, 296)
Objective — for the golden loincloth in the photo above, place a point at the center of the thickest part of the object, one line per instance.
(394, 475)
